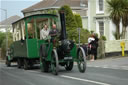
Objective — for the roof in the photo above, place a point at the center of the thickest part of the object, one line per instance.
(52, 15)
(55, 3)
(10, 20)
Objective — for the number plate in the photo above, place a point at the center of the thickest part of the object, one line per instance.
(67, 58)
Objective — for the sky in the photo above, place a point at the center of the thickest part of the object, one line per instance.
(14, 7)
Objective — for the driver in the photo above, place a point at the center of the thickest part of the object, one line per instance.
(53, 33)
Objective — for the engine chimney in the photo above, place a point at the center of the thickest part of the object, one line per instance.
(63, 35)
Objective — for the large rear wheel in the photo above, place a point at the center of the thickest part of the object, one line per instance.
(81, 60)
(54, 62)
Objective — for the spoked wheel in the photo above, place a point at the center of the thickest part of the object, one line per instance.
(54, 62)
(26, 64)
(81, 60)
(69, 65)
(8, 63)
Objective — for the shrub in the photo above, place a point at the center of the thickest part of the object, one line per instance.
(78, 20)
(103, 38)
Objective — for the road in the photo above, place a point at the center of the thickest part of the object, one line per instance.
(100, 72)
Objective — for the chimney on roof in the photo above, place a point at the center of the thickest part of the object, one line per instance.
(82, 3)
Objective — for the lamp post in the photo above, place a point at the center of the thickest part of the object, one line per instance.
(5, 10)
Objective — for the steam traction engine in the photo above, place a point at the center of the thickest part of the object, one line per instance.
(64, 54)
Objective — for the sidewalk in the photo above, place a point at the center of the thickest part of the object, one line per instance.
(113, 63)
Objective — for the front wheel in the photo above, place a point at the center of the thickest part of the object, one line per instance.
(81, 60)
(54, 62)
(69, 65)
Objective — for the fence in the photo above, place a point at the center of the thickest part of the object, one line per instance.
(114, 46)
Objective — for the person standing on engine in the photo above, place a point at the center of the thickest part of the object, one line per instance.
(44, 33)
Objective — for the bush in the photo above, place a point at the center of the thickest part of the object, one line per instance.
(78, 20)
(84, 34)
(103, 38)
(2, 37)
(3, 45)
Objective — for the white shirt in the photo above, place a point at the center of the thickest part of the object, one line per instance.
(90, 39)
(44, 34)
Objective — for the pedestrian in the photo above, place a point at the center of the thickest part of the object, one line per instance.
(91, 47)
(96, 45)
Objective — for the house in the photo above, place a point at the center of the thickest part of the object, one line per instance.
(99, 21)
(77, 6)
(8, 23)
(94, 13)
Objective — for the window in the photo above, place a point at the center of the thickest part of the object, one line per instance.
(99, 6)
(101, 28)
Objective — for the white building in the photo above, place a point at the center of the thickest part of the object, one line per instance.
(8, 23)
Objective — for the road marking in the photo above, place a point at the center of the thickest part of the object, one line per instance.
(86, 80)
(110, 67)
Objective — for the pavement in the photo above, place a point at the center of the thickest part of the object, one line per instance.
(112, 71)
(112, 63)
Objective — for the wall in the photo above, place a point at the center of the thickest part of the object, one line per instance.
(85, 22)
(114, 46)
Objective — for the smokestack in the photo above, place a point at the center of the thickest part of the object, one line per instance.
(63, 26)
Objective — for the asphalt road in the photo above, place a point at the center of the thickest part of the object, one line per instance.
(93, 76)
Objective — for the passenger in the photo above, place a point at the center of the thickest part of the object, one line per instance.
(44, 33)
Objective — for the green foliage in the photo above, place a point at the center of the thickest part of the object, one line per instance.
(3, 45)
(78, 20)
(103, 38)
(50, 11)
(91, 31)
(118, 11)
(84, 34)
(2, 37)
(71, 25)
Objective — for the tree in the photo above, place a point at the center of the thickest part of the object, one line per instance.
(116, 12)
(3, 45)
(78, 20)
(2, 37)
(84, 35)
(124, 17)
(71, 25)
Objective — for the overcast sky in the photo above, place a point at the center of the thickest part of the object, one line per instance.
(14, 7)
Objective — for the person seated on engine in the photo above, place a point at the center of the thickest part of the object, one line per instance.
(44, 33)
(53, 33)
